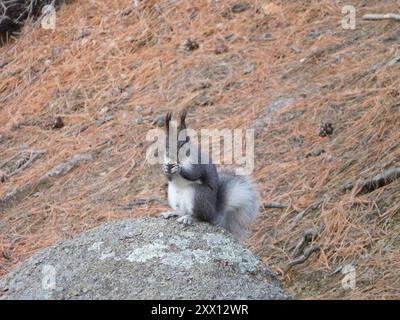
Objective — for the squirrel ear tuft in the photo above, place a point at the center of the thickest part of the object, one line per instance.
(168, 118)
(182, 117)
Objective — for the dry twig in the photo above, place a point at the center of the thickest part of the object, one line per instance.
(379, 16)
(307, 253)
(379, 181)
(309, 236)
(35, 154)
(274, 205)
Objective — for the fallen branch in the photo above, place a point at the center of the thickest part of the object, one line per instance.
(301, 214)
(379, 16)
(47, 178)
(273, 205)
(394, 60)
(379, 181)
(67, 166)
(307, 253)
(309, 236)
(5, 62)
(34, 155)
(4, 163)
(57, 171)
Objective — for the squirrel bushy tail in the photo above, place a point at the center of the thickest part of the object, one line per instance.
(237, 202)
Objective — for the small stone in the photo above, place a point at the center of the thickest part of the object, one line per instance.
(315, 153)
(240, 7)
(138, 108)
(267, 37)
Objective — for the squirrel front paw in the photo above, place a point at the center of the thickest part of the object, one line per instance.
(171, 169)
(186, 219)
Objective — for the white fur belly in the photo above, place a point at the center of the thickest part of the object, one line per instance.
(181, 195)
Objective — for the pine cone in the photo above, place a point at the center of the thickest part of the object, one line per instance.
(326, 129)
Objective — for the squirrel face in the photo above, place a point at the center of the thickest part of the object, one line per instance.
(177, 141)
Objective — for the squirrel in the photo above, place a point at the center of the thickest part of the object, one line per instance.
(197, 191)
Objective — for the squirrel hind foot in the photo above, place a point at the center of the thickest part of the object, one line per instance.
(186, 219)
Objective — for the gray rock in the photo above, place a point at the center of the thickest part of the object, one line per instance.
(148, 258)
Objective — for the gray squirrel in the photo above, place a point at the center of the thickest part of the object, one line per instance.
(197, 191)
